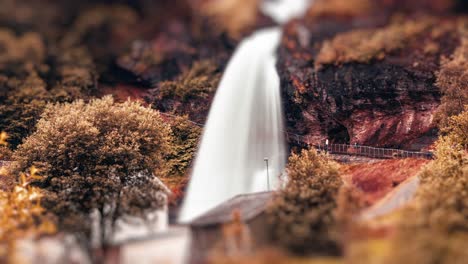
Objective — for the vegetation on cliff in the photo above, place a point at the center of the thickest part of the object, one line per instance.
(190, 93)
(185, 138)
(452, 79)
(200, 80)
(364, 45)
(32, 75)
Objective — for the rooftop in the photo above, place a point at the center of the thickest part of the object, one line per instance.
(249, 205)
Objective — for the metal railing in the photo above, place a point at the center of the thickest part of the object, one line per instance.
(354, 150)
(359, 150)
(372, 152)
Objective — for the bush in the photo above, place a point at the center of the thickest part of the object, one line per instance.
(22, 100)
(21, 105)
(442, 196)
(434, 228)
(363, 45)
(455, 132)
(302, 215)
(98, 156)
(452, 79)
(200, 81)
(186, 136)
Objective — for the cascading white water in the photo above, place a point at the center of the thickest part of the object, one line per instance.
(245, 125)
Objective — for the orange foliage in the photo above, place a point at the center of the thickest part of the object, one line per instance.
(22, 215)
(177, 186)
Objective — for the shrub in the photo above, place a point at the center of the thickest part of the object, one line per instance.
(199, 81)
(100, 156)
(186, 136)
(22, 101)
(455, 132)
(27, 47)
(301, 214)
(452, 79)
(435, 226)
(442, 195)
(77, 75)
(363, 45)
(5, 153)
(21, 105)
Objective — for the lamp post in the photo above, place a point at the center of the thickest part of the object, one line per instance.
(268, 173)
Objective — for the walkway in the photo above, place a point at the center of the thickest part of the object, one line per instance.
(353, 150)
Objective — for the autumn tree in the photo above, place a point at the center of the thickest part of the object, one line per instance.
(301, 214)
(434, 227)
(100, 157)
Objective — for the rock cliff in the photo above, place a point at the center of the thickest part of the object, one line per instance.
(366, 75)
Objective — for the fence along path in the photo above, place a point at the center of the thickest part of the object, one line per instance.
(346, 149)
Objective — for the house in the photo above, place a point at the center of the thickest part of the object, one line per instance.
(130, 227)
(209, 230)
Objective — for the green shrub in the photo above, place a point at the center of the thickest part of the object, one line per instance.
(302, 214)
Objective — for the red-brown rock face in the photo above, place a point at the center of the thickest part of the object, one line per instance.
(365, 79)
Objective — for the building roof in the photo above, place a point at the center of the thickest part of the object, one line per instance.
(249, 205)
(163, 186)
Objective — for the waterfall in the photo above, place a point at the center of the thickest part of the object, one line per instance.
(245, 125)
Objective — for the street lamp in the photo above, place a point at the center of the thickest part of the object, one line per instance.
(268, 173)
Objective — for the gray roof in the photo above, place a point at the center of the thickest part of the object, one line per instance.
(249, 205)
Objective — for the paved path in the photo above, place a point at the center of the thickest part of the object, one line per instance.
(394, 200)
